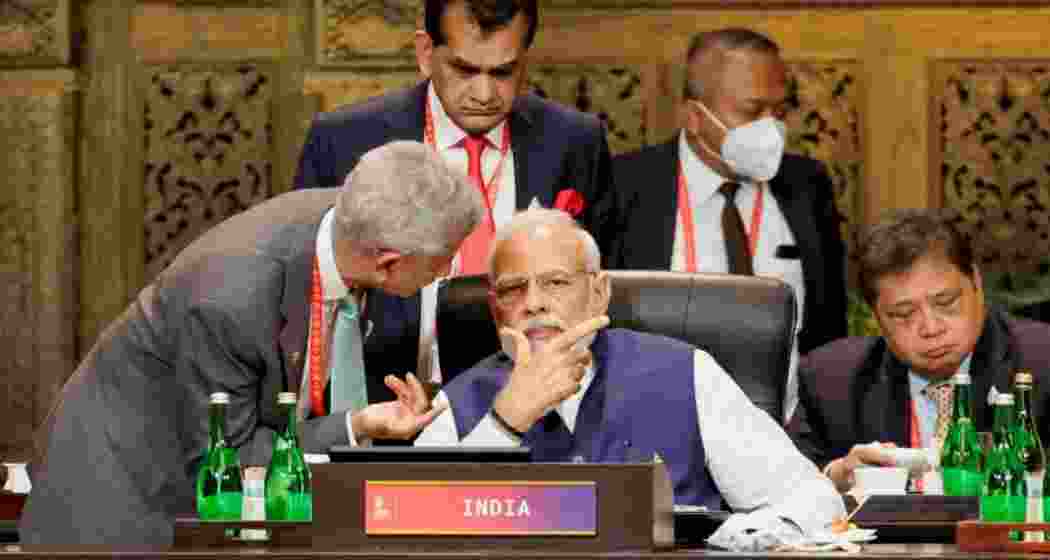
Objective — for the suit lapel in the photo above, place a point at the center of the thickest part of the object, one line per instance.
(799, 216)
(522, 138)
(991, 365)
(665, 201)
(295, 308)
(885, 404)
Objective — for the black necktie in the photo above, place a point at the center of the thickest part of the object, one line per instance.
(733, 231)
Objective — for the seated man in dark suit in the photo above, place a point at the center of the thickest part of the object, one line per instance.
(235, 312)
(722, 196)
(572, 390)
(921, 280)
(475, 110)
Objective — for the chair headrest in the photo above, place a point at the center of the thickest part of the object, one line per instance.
(746, 323)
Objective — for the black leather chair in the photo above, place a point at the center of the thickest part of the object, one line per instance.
(747, 323)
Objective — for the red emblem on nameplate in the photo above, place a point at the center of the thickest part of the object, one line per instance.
(441, 507)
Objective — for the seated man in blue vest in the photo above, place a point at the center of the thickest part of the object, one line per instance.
(574, 391)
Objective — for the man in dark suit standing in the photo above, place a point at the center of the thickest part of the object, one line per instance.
(520, 150)
(722, 197)
(921, 280)
(277, 298)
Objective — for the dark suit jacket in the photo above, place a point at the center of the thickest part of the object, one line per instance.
(856, 391)
(646, 210)
(555, 148)
(120, 450)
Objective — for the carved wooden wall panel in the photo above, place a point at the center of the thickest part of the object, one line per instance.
(357, 30)
(336, 89)
(34, 32)
(37, 254)
(824, 123)
(215, 30)
(17, 327)
(994, 140)
(612, 92)
(208, 136)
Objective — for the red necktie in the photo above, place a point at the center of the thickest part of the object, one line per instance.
(474, 251)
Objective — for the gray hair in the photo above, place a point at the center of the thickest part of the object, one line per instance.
(403, 197)
(533, 219)
(721, 41)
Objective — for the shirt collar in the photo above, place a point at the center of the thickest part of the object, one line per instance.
(702, 181)
(570, 407)
(448, 134)
(331, 281)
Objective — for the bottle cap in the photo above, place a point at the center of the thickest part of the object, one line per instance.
(1004, 399)
(1023, 377)
(220, 398)
(961, 378)
(286, 398)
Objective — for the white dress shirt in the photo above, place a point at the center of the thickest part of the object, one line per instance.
(702, 185)
(334, 290)
(751, 460)
(447, 136)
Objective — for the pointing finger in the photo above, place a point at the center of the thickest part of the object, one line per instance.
(571, 336)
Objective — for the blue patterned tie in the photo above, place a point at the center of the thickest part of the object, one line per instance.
(347, 374)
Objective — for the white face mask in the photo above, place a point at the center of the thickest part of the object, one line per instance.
(753, 150)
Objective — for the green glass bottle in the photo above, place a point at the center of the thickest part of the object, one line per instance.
(961, 455)
(219, 486)
(288, 489)
(1030, 453)
(1002, 494)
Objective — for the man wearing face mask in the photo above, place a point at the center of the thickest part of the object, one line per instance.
(722, 196)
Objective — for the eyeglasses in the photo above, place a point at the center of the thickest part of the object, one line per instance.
(555, 284)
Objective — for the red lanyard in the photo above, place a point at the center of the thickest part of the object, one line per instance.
(318, 361)
(320, 342)
(916, 441)
(685, 216)
(489, 190)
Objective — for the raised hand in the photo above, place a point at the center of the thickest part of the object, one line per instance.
(841, 470)
(545, 378)
(398, 419)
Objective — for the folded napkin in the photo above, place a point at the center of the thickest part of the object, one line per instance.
(755, 532)
(763, 531)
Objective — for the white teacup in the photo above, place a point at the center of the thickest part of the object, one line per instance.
(881, 480)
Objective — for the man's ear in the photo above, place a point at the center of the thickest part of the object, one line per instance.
(424, 52)
(494, 308)
(688, 117)
(385, 263)
(601, 293)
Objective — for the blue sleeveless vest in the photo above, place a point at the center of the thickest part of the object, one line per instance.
(640, 402)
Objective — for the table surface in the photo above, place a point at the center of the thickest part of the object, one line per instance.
(870, 552)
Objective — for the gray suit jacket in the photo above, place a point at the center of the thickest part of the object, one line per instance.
(119, 452)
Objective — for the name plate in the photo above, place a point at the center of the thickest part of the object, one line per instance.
(489, 508)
